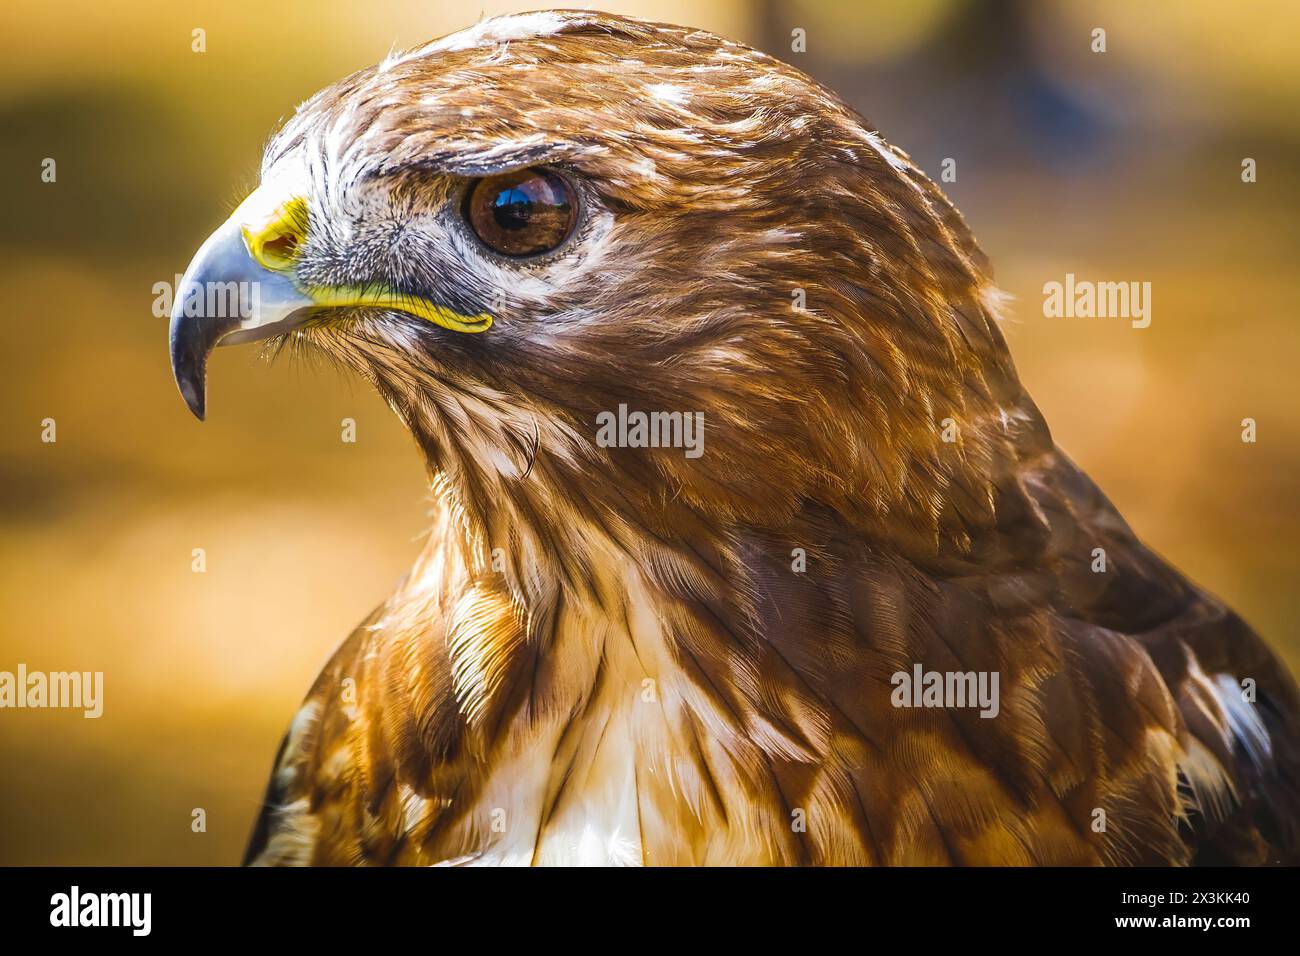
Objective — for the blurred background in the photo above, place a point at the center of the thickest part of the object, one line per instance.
(1120, 166)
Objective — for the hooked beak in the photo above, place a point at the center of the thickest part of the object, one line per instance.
(241, 287)
(226, 297)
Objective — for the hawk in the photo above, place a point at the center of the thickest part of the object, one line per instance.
(556, 243)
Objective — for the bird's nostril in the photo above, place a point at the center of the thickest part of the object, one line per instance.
(281, 250)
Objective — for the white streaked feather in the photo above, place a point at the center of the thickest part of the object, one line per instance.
(1244, 722)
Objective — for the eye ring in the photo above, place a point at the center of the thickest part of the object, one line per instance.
(521, 214)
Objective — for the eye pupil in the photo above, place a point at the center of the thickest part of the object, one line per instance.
(522, 213)
(512, 208)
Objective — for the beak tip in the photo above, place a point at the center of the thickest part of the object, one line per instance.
(194, 394)
(190, 343)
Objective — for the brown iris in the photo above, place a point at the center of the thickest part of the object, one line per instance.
(522, 213)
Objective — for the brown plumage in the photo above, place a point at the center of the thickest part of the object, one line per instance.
(619, 654)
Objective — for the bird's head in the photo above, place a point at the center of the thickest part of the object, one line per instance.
(521, 227)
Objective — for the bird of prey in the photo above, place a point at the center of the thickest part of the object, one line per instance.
(741, 501)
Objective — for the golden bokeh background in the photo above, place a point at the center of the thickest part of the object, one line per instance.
(1117, 166)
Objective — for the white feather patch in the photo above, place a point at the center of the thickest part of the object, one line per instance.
(1244, 723)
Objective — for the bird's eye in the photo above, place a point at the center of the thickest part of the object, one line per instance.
(522, 213)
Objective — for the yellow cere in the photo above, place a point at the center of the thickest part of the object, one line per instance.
(276, 245)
